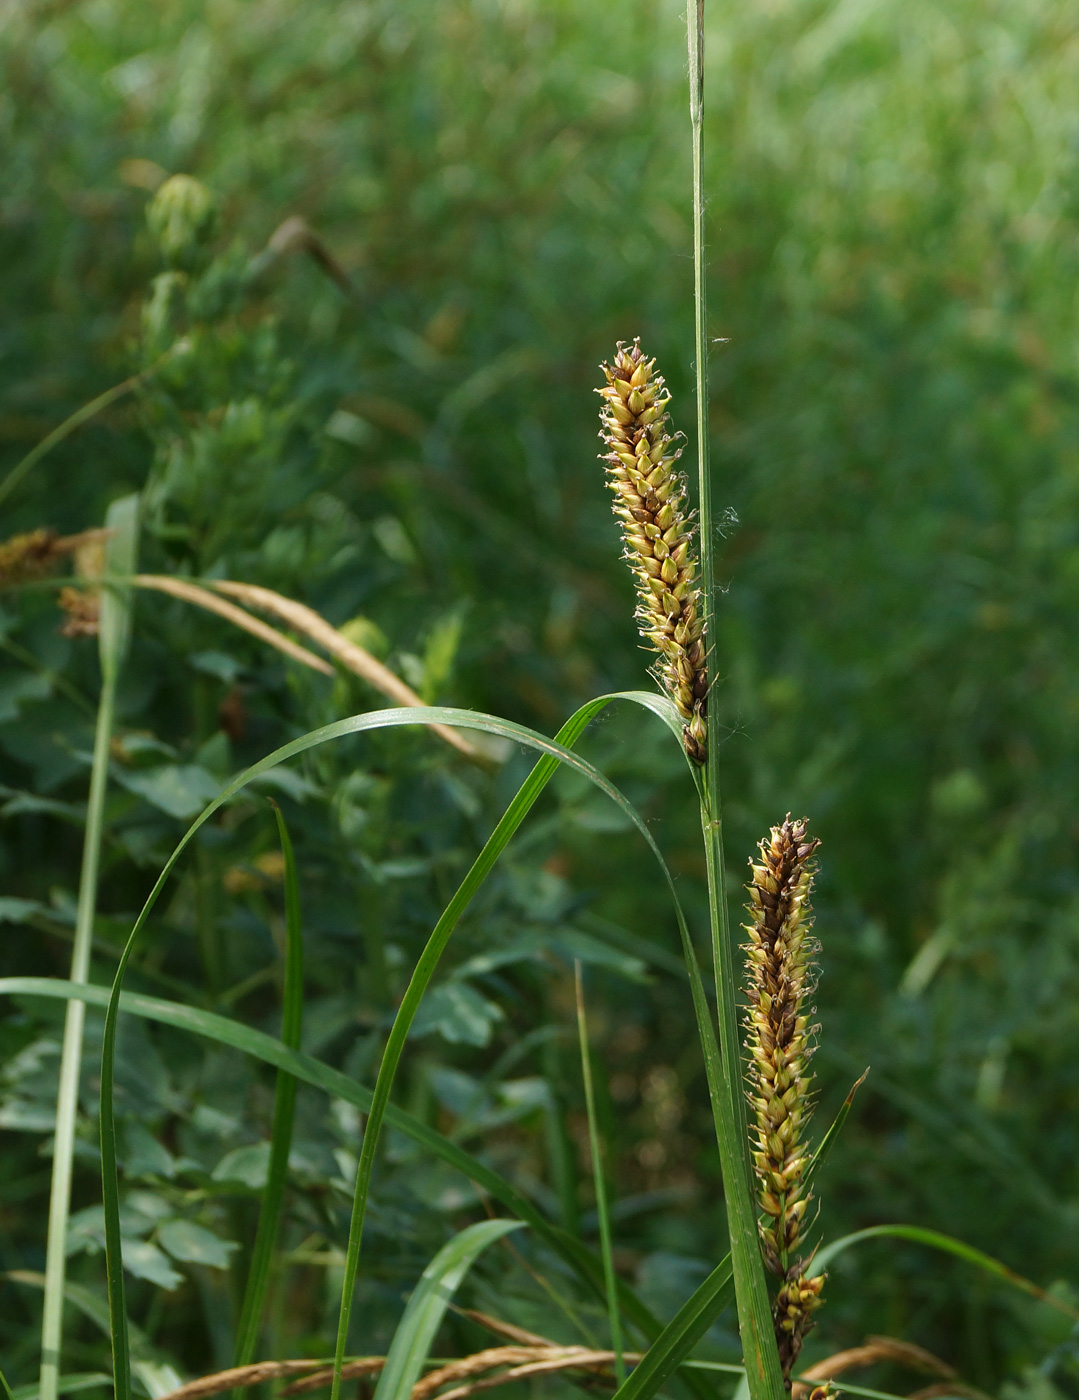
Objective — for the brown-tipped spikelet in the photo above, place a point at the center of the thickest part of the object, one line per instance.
(82, 612)
(29, 556)
(780, 976)
(780, 1040)
(649, 500)
(792, 1312)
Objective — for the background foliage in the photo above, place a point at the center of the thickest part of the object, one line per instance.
(894, 209)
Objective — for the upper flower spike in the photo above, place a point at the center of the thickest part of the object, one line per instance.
(649, 500)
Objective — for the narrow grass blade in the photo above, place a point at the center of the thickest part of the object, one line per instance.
(841, 1386)
(947, 1245)
(84, 1300)
(554, 752)
(971, 1134)
(754, 1310)
(258, 1279)
(817, 1160)
(78, 418)
(763, 1375)
(845, 1386)
(426, 1308)
(7, 1388)
(66, 1385)
(114, 628)
(332, 1082)
(681, 1334)
(598, 1176)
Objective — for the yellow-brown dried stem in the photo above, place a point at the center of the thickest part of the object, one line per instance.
(649, 501)
(780, 1040)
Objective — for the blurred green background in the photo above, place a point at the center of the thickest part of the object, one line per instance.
(893, 216)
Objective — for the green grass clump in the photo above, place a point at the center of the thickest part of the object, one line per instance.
(369, 392)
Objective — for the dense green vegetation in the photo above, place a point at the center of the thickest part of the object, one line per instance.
(387, 413)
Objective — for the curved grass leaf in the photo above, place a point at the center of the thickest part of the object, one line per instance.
(599, 1179)
(942, 1394)
(947, 1245)
(81, 415)
(65, 1385)
(698, 1313)
(258, 1279)
(681, 1334)
(553, 753)
(426, 1308)
(727, 1369)
(237, 1036)
(83, 1299)
(817, 1160)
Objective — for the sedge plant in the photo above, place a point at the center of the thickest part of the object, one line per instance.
(674, 590)
(762, 1360)
(676, 599)
(675, 606)
(765, 1164)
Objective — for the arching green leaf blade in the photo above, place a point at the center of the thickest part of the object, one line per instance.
(426, 1308)
(273, 1196)
(553, 753)
(947, 1245)
(681, 1334)
(331, 1081)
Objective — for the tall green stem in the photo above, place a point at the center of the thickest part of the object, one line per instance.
(71, 1055)
(602, 1208)
(751, 1292)
(113, 638)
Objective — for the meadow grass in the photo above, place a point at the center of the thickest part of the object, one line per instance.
(891, 228)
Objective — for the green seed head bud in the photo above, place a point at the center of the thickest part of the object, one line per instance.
(183, 220)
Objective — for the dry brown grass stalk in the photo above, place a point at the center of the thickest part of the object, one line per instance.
(352, 1370)
(238, 1377)
(304, 619)
(876, 1349)
(564, 1359)
(889, 1349)
(323, 1377)
(482, 1370)
(505, 1329)
(521, 1361)
(203, 598)
(36, 553)
(474, 1365)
